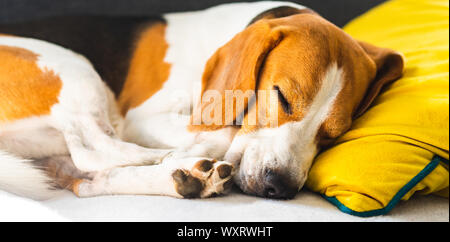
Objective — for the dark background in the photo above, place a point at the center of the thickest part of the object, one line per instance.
(337, 11)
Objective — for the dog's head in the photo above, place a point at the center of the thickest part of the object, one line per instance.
(292, 85)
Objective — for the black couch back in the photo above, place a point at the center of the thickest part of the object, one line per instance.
(337, 11)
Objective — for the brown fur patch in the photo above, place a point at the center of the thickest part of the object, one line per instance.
(75, 186)
(25, 89)
(148, 71)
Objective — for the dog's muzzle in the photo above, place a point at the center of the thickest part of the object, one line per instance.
(278, 186)
(271, 184)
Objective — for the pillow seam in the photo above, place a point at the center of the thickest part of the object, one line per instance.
(398, 196)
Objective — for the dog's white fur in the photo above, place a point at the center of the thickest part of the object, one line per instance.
(18, 176)
(86, 124)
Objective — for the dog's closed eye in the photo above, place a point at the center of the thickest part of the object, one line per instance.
(284, 102)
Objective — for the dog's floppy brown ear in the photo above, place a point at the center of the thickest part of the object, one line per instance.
(235, 66)
(389, 64)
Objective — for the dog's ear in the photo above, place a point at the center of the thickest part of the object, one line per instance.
(389, 64)
(235, 66)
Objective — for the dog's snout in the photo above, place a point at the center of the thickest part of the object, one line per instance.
(278, 186)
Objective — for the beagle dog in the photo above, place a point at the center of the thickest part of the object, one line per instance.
(244, 93)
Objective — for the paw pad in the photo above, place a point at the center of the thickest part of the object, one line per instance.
(224, 171)
(205, 165)
(187, 185)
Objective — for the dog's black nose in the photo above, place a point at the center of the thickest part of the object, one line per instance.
(278, 186)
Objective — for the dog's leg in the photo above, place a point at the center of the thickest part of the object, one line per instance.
(213, 144)
(184, 178)
(92, 149)
(88, 118)
(170, 130)
(32, 138)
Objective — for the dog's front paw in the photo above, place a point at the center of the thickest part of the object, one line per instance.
(205, 179)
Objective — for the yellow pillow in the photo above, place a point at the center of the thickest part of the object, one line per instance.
(401, 145)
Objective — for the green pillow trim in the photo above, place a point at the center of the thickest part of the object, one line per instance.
(396, 199)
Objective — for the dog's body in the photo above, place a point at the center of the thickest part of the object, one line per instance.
(56, 112)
